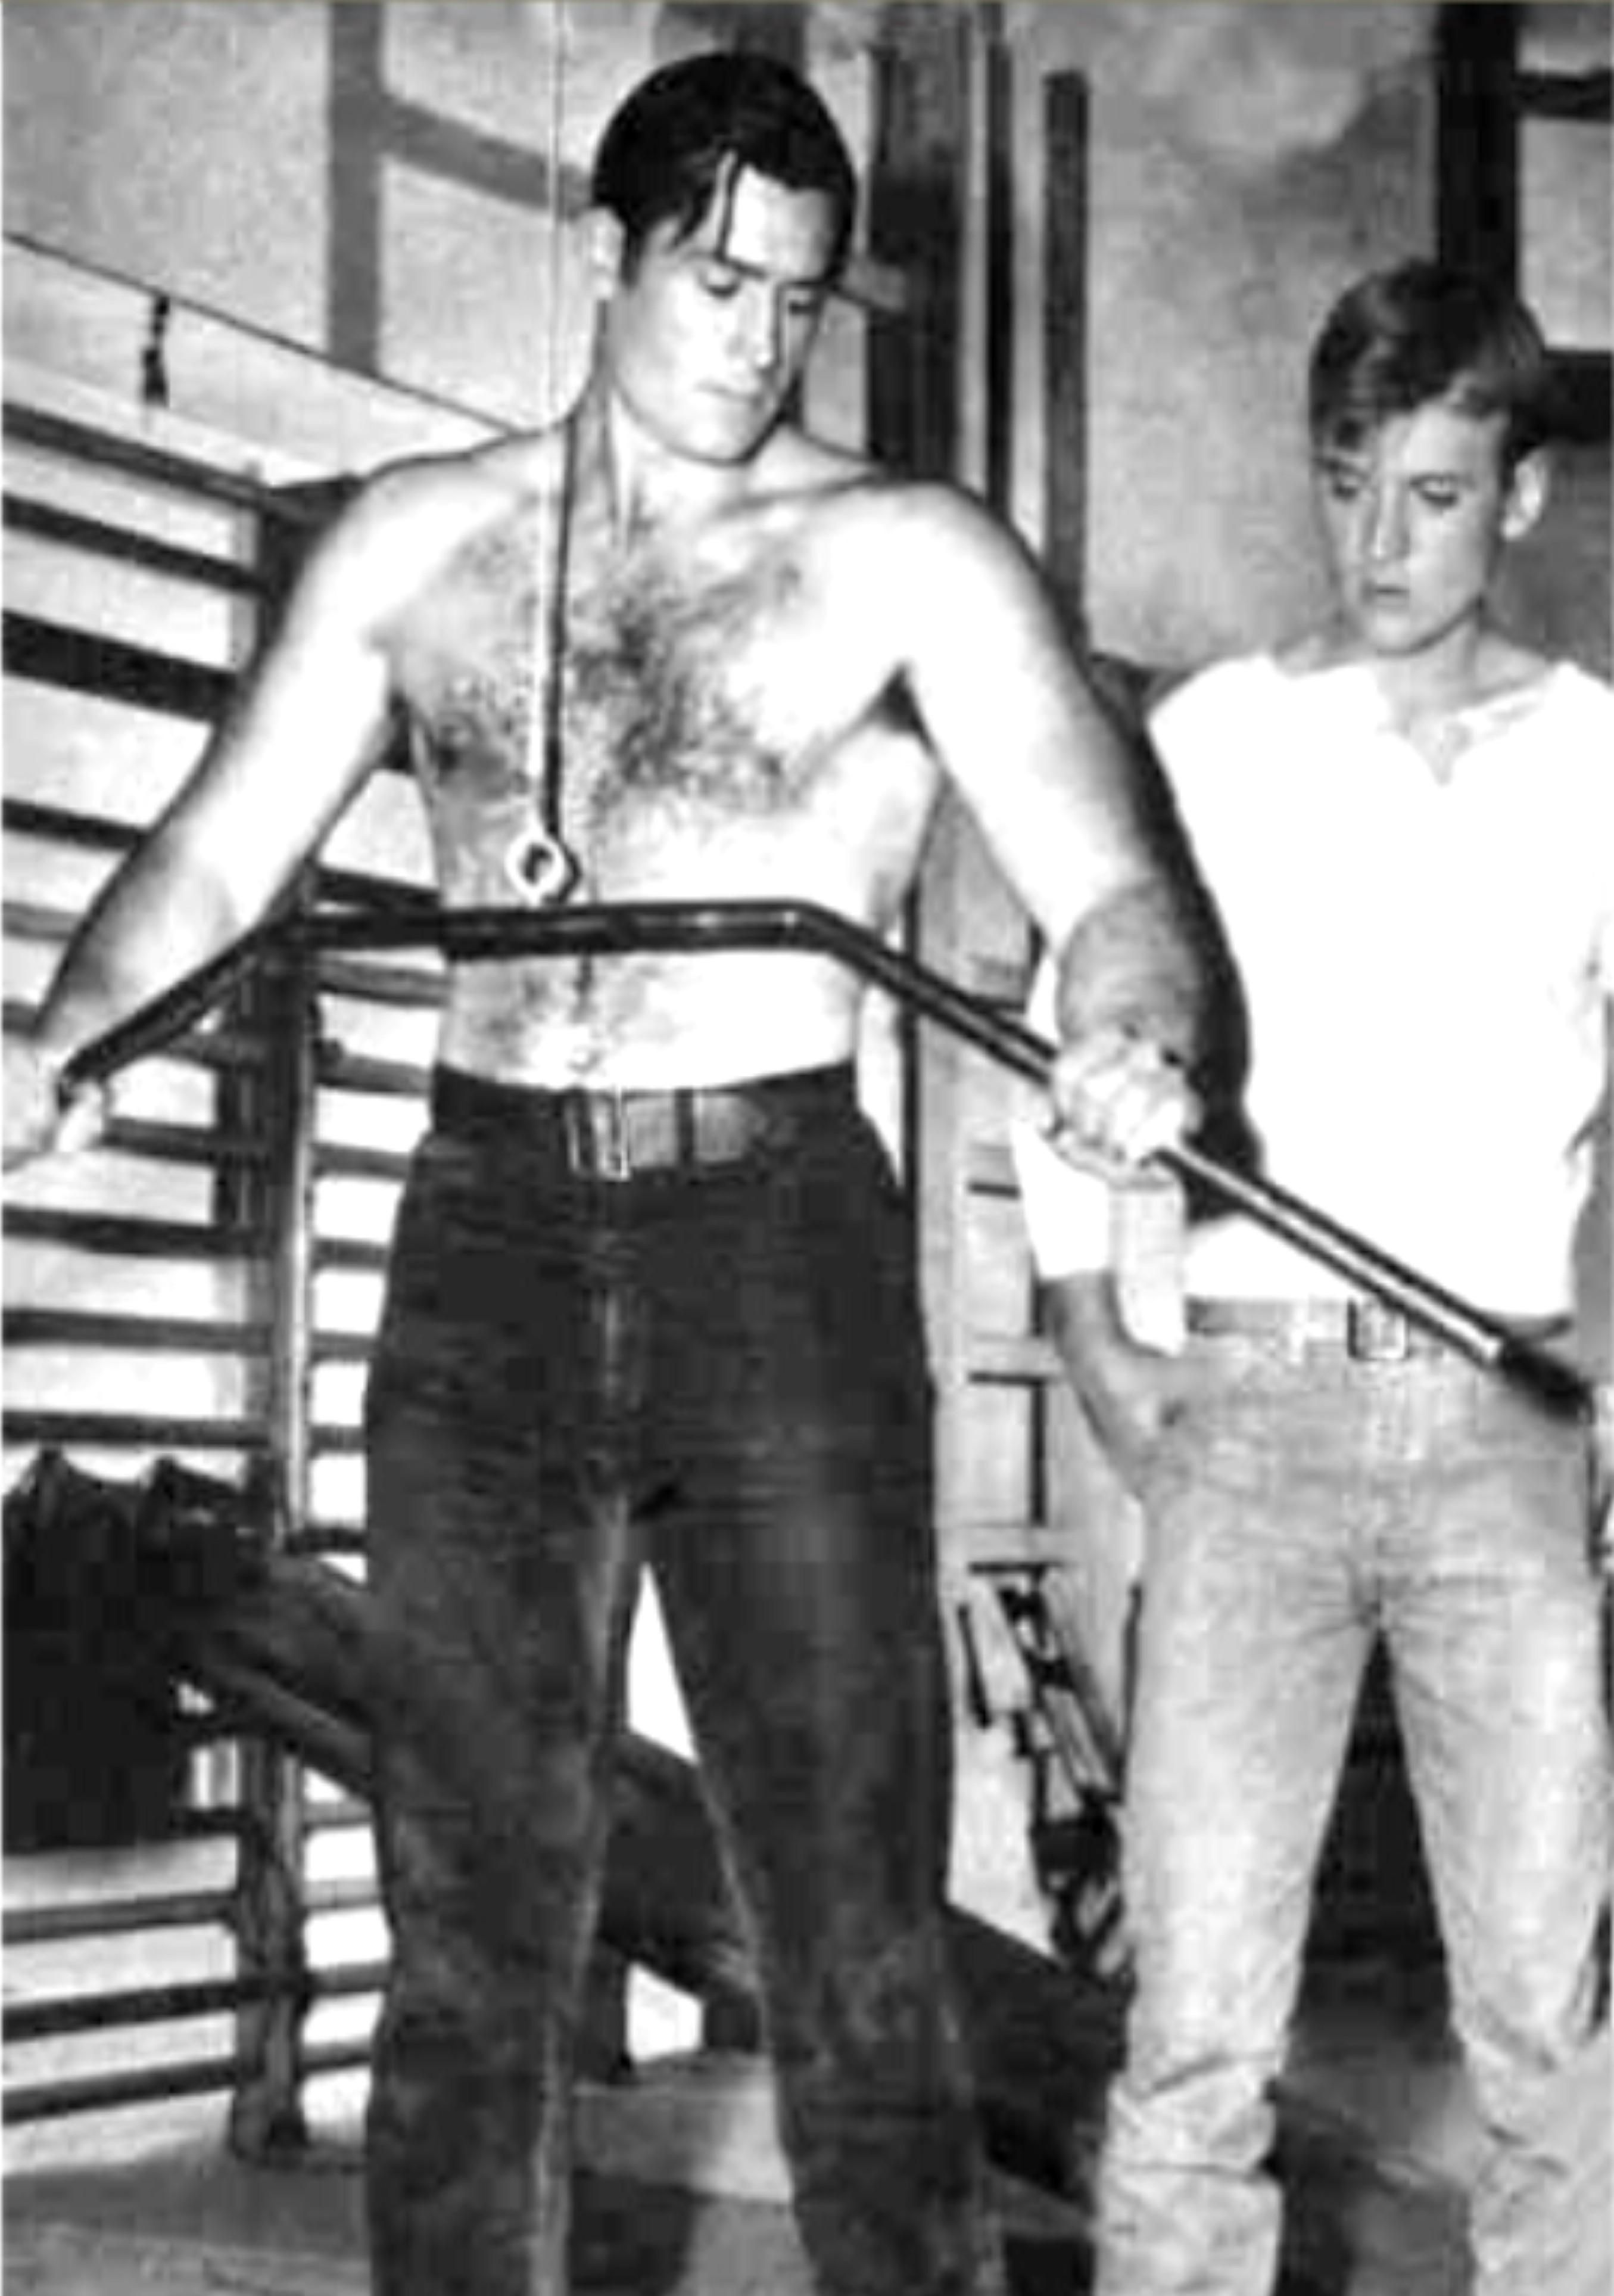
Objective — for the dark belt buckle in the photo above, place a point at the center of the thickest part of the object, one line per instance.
(596, 1136)
(1377, 1333)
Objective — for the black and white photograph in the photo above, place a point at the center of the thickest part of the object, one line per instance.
(809, 1205)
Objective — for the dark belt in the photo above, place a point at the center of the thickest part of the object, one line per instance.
(1368, 1331)
(619, 1136)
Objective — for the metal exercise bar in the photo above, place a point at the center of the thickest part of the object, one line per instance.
(467, 936)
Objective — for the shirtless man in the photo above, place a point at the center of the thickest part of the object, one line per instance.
(651, 1294)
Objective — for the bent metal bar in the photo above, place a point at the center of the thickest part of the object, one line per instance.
(625, 929)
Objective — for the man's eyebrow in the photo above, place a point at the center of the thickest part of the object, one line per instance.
(815, 280)
(1328, 458)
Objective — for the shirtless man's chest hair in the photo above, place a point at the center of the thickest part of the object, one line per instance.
(726, 725)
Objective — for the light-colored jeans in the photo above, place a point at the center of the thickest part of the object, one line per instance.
(1300, 1508)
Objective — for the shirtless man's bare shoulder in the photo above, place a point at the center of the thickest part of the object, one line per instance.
(409, 520)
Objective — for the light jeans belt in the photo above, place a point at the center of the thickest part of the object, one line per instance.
(1367, 1331)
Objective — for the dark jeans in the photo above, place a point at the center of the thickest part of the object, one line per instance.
(717, 1371)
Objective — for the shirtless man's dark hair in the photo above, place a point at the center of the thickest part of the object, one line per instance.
(673, 149)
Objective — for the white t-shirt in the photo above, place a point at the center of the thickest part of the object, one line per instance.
(1426, 953)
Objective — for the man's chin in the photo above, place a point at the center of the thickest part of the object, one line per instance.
(1389, 627)
(734, 440)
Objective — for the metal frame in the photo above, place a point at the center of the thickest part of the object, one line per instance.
(259, 1151)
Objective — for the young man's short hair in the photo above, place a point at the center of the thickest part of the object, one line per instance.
(1403, 337)
(678, 139)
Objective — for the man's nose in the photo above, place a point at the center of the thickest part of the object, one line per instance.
(763, 333)
(1386, 526)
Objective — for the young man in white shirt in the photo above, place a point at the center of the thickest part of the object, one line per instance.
(1407, 822)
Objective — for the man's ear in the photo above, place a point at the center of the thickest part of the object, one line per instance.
(1528, 491)
(605, 240)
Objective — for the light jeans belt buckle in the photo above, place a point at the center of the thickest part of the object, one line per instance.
(597, 1142)
(1376, 1332)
